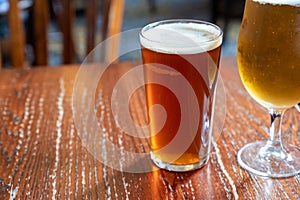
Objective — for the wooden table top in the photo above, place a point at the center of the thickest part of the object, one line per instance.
(42, 156)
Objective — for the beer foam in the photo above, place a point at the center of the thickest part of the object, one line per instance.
(181, 38)
(280, 2)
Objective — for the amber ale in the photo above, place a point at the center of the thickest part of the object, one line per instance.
(181, 60)
(269, 52)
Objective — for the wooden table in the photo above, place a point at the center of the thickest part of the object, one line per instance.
(42, 157)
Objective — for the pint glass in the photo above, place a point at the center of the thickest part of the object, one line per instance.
(181, 61)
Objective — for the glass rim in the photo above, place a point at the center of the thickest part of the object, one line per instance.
(171, 21)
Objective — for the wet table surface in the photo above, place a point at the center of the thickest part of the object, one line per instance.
(43, 154)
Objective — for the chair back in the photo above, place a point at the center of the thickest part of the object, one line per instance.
(64, 13)
(17, 34)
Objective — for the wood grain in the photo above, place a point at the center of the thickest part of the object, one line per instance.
(43, 157)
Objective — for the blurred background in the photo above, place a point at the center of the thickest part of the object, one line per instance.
(103, 14)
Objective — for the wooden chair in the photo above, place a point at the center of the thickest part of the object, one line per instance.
(65, 15)
(17, 34)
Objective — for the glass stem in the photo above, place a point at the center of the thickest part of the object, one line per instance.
(275, 130)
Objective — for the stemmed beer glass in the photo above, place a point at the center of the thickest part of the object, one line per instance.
(269, 66)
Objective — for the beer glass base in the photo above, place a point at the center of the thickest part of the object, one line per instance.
(177, 168)
(261, 159)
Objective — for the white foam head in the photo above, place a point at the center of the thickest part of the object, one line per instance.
(185, 37)
(280, 2)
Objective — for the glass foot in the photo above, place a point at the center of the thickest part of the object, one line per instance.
(177, 168)
(263, 159)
